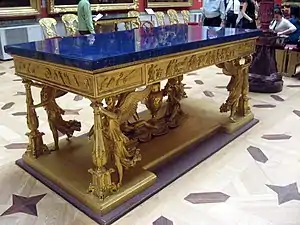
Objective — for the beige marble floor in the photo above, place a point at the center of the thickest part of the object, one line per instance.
(241, 170)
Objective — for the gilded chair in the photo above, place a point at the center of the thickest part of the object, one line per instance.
(293, 59)
(70, 22)
(137, 23)
(133, 24)
(186, 16)
(173, 16)
(281, 56)
(48, 26)
(147, 24)
(160, 18)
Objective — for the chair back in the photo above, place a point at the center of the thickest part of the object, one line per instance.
(186, 16)
(173, 16)
(160, 18)
(70, 22)
(48, 26)
(136, 23)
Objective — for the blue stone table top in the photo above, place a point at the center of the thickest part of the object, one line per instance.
(99, 51)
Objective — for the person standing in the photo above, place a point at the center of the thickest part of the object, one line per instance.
(246, 18)
(280, 25)
(232, 11)
(295, 20)
(214, 13)
(85, 20)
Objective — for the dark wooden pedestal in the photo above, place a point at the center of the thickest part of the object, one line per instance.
(263, 74)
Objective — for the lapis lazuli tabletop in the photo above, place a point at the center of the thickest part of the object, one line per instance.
(99, 51)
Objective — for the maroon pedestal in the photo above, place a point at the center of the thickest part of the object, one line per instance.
(263, 74)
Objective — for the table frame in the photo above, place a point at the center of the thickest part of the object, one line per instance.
(107, 83)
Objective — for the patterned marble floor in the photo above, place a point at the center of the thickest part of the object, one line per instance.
(252, 181)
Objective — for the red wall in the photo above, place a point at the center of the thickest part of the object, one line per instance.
(278, 1)
(142, 5)
(196, 4)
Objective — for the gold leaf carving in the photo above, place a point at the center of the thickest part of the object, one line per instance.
(175, 66)
(99, 84)
(119, 80)
(59, 76)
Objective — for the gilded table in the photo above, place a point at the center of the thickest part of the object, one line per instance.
(116, 72)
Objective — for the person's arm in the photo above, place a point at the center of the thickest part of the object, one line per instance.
(290, 28)
(255, 5)
(244, 14)
(272, 25)
(230, 3)
(222, 10)
(89, 18)
(203, 8)
(222, 13)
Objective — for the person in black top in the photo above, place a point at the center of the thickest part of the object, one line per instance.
(246, 19)
(232, 12)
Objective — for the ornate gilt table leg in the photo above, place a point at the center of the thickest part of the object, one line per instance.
(54, 112)
(102, 184)
(154, 100)
(36, 146)
(238, 88)
(244, 108)
(175, 92)
(180, 79)
(154, 103)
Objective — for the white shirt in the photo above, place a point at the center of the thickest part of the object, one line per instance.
(214, 8)
(233, 5)
(283, 25)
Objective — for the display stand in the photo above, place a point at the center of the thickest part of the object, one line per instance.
(263, 73)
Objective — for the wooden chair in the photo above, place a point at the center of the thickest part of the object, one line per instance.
(133, 24)
(173, 16)
(293, 60)
(186, 16)
(137, 23)
(160, 18)
(281, 60)
(70, 22)
(48, 26)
